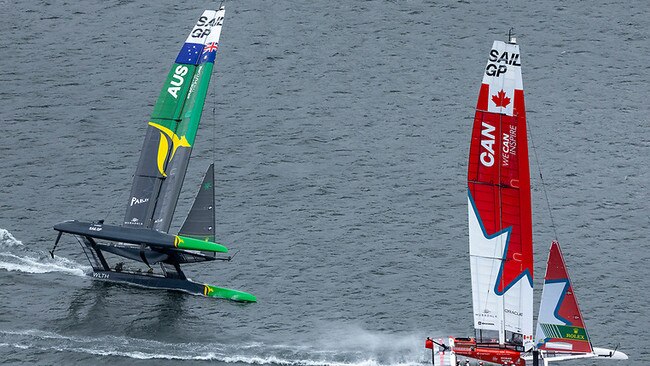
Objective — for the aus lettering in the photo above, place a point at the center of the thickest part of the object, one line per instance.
(177, 80)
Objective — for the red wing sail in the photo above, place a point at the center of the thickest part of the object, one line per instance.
(498, 180)
(560, 326)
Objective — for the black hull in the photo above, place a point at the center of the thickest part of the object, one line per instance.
(172, 277)
(150, 281)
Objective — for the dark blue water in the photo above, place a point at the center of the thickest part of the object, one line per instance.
(341, 133)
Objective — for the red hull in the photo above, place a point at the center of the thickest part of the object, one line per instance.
(488, 352)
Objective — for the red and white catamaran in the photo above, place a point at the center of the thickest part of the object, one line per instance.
(501, 239)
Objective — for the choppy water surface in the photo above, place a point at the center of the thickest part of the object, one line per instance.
(340, 131)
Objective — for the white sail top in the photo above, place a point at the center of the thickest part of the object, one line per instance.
(503, 74)
(203, 27)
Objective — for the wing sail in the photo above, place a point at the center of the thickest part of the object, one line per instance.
(172, 128)
(560, 326)
(498, 179)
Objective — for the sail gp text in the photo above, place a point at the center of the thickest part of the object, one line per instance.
(498, 63)
(203, 26)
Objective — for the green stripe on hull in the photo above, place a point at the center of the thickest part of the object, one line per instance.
(229, 294)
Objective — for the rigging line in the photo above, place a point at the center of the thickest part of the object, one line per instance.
(214, 124)
(541, 177)
(213, 87)
(115, 200)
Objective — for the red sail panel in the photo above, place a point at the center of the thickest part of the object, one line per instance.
(499, 182)
(556, 271)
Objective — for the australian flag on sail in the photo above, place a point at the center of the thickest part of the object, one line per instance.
(189, 54)
(209, 52)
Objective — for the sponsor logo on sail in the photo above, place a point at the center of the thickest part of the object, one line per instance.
(137, 201)
(134, 221)
(513, 312)
(167, 136)
(485, 323)
(509, 146)
(195, 81)
(486, 314)
(577, 334)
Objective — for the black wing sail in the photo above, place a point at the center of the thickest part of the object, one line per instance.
(199, 223)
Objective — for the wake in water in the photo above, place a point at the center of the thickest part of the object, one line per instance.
(8, 240)
(33, 262)
(329, 345)
(402, 349)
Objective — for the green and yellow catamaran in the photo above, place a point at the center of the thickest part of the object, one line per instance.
(171, 131)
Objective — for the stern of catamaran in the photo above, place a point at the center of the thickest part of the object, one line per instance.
(460, 350)
(502, 354)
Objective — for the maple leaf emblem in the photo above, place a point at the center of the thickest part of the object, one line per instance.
(500, 99)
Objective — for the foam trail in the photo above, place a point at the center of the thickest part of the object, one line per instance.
(28, 264)
(251, 353)
(34, 263)
(8, 240)
(381, 348)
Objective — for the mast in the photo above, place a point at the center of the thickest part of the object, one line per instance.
(172, 128)
(499, 204)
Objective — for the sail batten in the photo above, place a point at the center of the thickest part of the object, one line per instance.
(500, 222)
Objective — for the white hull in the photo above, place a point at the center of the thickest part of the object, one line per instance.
(609, 353)
(600, 353)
